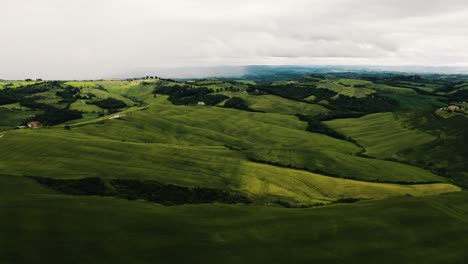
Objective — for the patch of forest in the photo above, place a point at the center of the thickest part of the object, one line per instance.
(151, 191)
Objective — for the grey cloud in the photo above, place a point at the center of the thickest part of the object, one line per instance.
(104, 38)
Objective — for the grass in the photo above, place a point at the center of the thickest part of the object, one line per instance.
(276, 104)
(14, 106)
(62, 155)
(82, 84)
(132, 89)
(12, 118)
(346, 87)
(40, 226)
(186, 146)
(448, 114)
(345, 166)
(416, 102)
(268, 157)
(16, 84)
(82, 106)
(102, 94)
(383, 135)
(246, 82)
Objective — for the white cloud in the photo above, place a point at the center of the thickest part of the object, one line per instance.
(101, 38)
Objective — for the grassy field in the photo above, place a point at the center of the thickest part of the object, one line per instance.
(393, 89)
(16, 84)
(11, 118)
(186, 145)
(276, 104)
(315, 198)
(132, 89)
(82, 106)
(14, 106)
(40, 226)
(103, 94)
(383, 135)
(347, 87)
(344, 166)
(61, 154)
(82, 84)
(246, 82)
(415, 102)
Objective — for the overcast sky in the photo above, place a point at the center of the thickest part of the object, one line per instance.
(83, 39)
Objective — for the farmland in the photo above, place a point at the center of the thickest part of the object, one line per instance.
(249, 170)
(383, 135)
(225, 233)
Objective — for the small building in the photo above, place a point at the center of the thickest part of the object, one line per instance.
(34, 124)
(201, 103)
(453, 108)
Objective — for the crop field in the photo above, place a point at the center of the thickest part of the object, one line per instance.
(81, 105)
(16, 84)
(116, 149)
(344, 166)
(270, 176)
(102, 94)
(382, 135)
(230, 233)
(82, 84)
(275, 104)
(246, 82)
(209, 167)
(12, 118)
(347, 87)
(131, 89)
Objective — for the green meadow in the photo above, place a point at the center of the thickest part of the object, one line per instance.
(275, 104)
(372, 173)
(382, 135)
(348, 87)
(56, 228)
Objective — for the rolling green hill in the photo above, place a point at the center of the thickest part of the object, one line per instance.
(275, 104)
(344, 165)
(197, 159)
(383, 135)
(39, 225)
(330, 168)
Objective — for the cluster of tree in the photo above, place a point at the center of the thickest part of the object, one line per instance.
(109, 104)
(237, 103)
(445, 156)
(297, 92)
(14, 95)
(152, 191)
(360, 85)
(421, 91)
(458, 96)
(31, 102)
(211, 99)
(447, 88)
(316, 126)
(85, 186)
(347, 200)
(142, 78)
(185, 95)
(69, 95)
(169, 194)
(369, 104)
(53, 116)
(338, 114)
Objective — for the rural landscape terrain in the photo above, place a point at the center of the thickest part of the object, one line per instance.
(275, 166)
